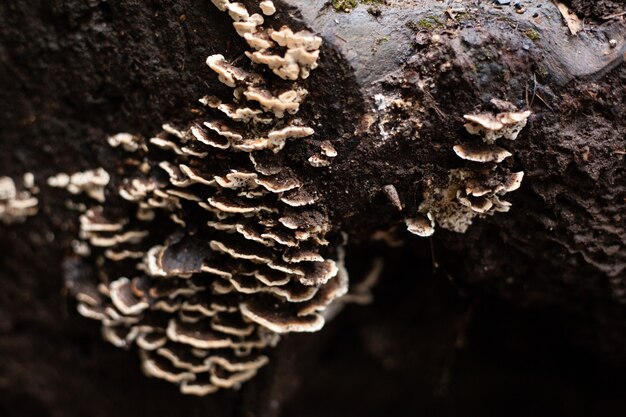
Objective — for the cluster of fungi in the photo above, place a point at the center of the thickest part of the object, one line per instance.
(17, 204)
(224, 247)
(474, 190)
(227, 248)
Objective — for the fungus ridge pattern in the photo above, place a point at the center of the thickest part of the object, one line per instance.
(227, 248)
(475, 190)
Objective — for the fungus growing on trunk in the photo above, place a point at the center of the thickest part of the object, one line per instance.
(16, 205)
(225, 244)
(476, 189)
(246, 255)
(91, 182)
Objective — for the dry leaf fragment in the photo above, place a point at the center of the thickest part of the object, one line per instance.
(572, 21)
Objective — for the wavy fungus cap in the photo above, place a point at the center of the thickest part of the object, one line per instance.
(224, 247)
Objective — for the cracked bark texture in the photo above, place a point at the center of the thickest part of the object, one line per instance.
(521, 315)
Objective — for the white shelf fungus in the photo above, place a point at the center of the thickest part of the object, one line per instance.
(475, 190)
(238, 252)
(91, 182)
(492, 127)
(17, 205)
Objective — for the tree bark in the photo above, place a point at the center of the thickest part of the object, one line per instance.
(522, 314)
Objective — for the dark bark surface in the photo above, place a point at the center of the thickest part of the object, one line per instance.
(520, 316)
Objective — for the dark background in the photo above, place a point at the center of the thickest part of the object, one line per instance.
(422, 347)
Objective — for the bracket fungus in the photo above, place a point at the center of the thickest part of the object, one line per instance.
(492, 127)
(476, 189)
(16, 205)
(91, 182)
(224, 246)
(241, 253)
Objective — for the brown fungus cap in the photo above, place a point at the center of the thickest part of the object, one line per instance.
(123, 298)
(273, 319)
(285, 102)
(481, 153)
(422, 226)
(492, 127)
(229, 74)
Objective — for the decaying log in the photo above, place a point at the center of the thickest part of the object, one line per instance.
(475, 148)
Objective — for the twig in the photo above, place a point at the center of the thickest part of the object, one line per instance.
(434, 103)
(613, 16)
(534, 90)
(236, 60)
(545, 102)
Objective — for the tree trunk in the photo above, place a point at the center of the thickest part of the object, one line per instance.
(523, 313)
